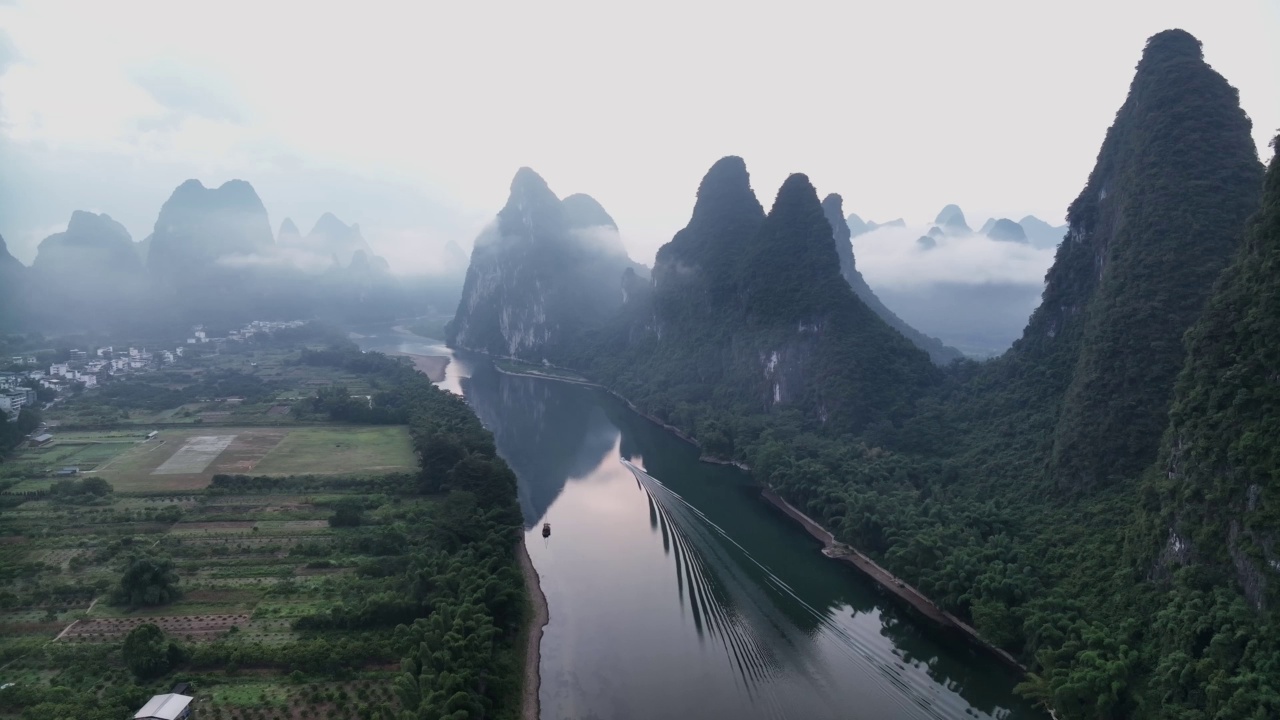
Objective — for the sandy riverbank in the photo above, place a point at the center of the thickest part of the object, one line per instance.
(430, 365)
(529, 707)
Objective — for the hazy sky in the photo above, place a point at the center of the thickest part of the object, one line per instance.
(411, 118)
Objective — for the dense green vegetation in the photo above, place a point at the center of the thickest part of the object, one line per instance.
(13, 432)
(388, 596)
(719, 342)
(1021, 494)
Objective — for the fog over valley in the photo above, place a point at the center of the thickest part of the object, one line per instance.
(699, 359)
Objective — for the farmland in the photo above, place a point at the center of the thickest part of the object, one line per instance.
(187, 458)
(250, 565)
(288, 561)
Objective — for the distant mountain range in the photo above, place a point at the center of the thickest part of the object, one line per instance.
(982, 318)
(832, 207)
(211, 256)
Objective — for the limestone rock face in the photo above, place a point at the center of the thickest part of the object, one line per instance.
(544, 272)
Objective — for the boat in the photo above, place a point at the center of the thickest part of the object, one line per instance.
(546, 529)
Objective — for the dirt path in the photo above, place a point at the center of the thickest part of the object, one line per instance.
(533, 645)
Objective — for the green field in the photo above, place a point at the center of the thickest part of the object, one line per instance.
(151, 466)
(330, 450)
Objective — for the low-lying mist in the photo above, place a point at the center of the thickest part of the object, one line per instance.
(969, 291)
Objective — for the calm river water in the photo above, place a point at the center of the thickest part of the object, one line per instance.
(675, 592)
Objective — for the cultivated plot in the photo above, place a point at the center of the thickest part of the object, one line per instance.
(184, 459)
(195, 455)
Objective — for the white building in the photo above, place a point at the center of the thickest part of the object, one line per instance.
(59, 369)
(169, 706)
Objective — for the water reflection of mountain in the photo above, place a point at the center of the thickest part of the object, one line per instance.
(745, 550)
(549, 433)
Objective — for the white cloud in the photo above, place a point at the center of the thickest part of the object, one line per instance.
(187, 89)
(890, 257)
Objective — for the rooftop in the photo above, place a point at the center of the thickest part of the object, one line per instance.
(163, 707)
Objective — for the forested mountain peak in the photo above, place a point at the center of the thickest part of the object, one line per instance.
(203, 246)
(1217, 470)
(1160, 216)
(756, 307)
(725, 218)
(793, 264)
(197, 225)
(539, 275)
(725, 188)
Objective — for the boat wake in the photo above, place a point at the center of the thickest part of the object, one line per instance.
(735, 599)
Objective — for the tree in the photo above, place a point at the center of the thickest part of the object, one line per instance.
(347, 514)
(148, 580)
(149, 654)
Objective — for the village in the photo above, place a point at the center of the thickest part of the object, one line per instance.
(21, 385)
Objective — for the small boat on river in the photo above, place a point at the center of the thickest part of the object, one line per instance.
(546, 529)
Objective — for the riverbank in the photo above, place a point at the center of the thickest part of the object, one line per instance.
(529, 708)
(832, 548)
(433, 366)
(917, 600)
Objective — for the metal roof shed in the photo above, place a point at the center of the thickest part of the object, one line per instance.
(169, 706)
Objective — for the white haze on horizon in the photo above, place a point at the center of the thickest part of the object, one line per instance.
(891, 257)
(414, 127)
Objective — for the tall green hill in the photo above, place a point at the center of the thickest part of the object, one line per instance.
(1219, 470)
(1158, 220)
(748, 315)
(545, 272)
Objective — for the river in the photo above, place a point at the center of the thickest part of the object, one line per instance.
(675, 592)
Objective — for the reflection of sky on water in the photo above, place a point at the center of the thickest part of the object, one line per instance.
(675, 592)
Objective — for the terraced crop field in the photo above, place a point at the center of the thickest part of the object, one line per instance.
(250, 566)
